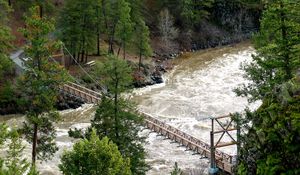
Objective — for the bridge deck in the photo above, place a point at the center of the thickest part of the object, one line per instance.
(224, 161)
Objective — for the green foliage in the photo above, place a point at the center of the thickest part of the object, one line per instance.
(93, 157)
(40, 86)
(116, 117)
(278, 49)
(5, 39)
(77, 23)
(45, 7)
(176, 170)
(271, 144)
(142, 40)
(124, 25)
(12, 163)
(115, 74)
(192, 12)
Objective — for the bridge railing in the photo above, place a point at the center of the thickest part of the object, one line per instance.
(219, 154)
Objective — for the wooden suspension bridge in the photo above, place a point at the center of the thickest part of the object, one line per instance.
(220, 159)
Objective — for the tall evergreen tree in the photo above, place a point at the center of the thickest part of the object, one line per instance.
(116, 117)
(5, 39)
(124, 26)
(40, 86)
(272, 131)
(77, 24)
(278, 50)
(142, 40)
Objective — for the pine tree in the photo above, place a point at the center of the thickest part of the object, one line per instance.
(79, 25)
(5, 39)
(16, 165)
(272, 131)
(116, 117)
(270, 145)
(278, 50)
(124, 26)
(13, 161)
(142, 40)
(93, 157)
(40, 86)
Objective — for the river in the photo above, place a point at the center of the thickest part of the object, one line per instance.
(200, 86)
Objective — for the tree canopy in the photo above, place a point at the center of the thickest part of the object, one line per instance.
(40, 86)
(93, 157)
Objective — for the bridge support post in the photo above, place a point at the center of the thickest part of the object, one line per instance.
(213, 167)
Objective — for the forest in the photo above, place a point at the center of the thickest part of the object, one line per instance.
(114, 46)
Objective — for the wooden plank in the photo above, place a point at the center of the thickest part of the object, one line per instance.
(225, 144)
(221, 131)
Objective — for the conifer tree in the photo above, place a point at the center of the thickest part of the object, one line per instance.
(142, 40)
(40, 86)
(272, 131)
(12, 163)
(5, 39)
(116, 117)
(278, 50)
(79, 24)
(124, 26)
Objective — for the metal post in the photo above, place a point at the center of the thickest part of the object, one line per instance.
(213, 168)
(238, 137)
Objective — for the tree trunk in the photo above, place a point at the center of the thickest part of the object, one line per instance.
(140, 61)
(9, 2)
(86, 57)
(285, 48)
(41, 11)
(98, 31)
(82, 56)
(116, 107)
(98, 42)
(104, 14)
(78, 57)
(34, 143)
(111, 41)
(124, 54)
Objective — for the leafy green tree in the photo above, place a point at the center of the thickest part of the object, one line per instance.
(124, 26)
(278, 49)
(40, 86)
(116, 117)
(142, 40)
(5, 39)
(93, 157)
